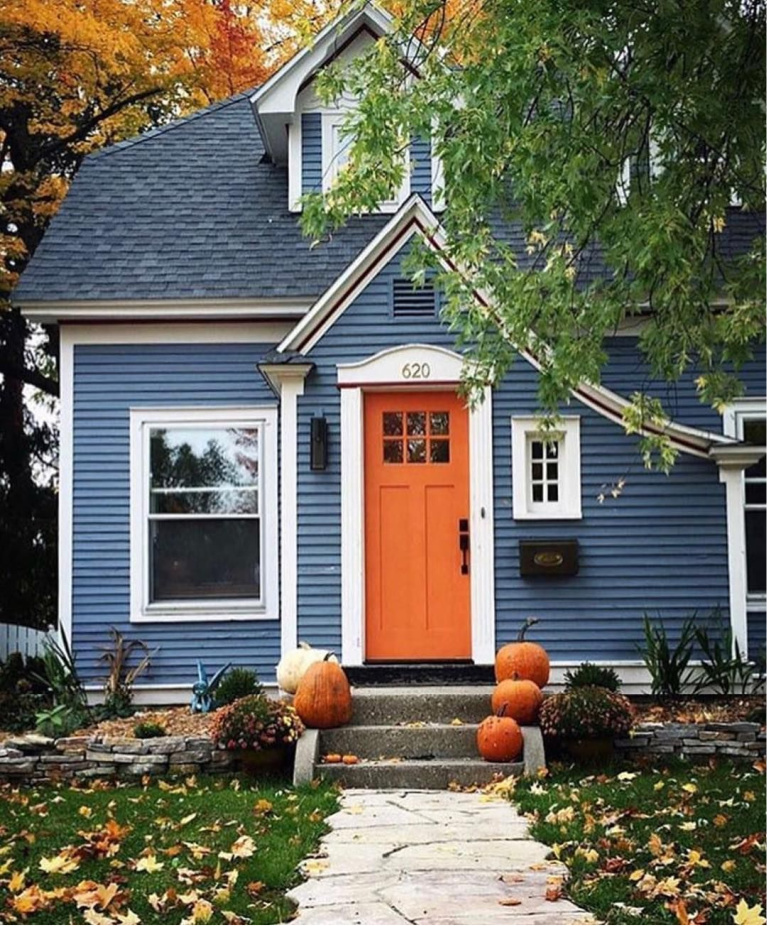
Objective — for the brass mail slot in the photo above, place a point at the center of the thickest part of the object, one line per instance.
(548, 557)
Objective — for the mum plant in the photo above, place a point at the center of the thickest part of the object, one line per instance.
(256, 722)
(586, 713)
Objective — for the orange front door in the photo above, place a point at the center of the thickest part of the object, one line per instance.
(416, 496)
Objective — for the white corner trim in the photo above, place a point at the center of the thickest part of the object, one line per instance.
(66, 481)
(482, 520)
(568, 431)
(295, 164)
(141, 611)
(386, 369)
(736, 554)
(288, 380)
(352, 529)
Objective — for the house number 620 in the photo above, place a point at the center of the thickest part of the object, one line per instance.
(416, 371)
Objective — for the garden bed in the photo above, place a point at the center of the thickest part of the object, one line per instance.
(700, 710)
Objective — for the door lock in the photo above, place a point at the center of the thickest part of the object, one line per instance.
(463, 544)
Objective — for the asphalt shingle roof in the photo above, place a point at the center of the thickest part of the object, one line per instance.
(187, 211)
(192, 210)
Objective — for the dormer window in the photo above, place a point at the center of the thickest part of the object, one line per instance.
(336, 146)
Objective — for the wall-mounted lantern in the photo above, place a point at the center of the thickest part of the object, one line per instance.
(319, 449)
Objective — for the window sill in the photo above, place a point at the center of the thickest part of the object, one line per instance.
(547, 516)
(191, 613)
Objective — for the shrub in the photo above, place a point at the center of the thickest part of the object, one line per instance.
(60, 720)
(147, 730)
(237, 683)
(586, 713)
(587, 675)
(23, 693)
(723, 667)
(667, 664)
(118, 686)
(256, 722)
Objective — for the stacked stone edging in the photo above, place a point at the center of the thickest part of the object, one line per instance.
(738, 740)
(36, 758)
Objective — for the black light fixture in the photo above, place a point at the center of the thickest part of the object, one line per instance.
(319, 450)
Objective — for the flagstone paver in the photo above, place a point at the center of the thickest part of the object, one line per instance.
(431, 857)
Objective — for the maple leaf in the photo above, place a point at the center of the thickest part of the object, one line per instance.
(129, 919)
(202, 911)
(263, 806)
(188, 819)
(29, 901)
(255, 888)
(95, 918)
(729, 865)
(16, 881)
(101, 895)
(243, 847)
(61, 864)
(748, 916)
(690, 788)
(149, 864)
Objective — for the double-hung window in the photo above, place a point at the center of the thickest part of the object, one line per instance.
(546, 469)
(203, 514)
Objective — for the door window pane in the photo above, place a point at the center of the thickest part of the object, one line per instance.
(392, 424)
(416, 451)
(416, 423)
(392, 451)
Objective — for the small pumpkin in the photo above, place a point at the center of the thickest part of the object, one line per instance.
(527, 659)
(291, 668)
(332, 757)
(499, 738)
(350, 760)
(324, 698)
(522, 697)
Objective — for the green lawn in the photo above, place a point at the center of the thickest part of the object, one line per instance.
(662, 845)
(196, 851)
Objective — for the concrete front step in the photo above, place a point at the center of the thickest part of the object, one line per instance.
(416, 774)
(379, 741)
(389, 706)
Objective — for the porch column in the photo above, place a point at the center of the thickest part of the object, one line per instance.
(287, 380)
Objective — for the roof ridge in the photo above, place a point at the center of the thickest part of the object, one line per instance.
(168, 127)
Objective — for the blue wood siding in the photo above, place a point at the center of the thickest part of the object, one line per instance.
(311, 153)
(109, 380)
(627, 371)
(420, 179)
(658, 548)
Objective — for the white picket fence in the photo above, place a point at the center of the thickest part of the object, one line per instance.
(15, 639)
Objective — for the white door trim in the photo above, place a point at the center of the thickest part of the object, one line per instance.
(413, 367)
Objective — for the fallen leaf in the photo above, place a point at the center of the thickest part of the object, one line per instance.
(149, 864)
(510, 902)
(554, 893)
(61, 864)
(749, 916)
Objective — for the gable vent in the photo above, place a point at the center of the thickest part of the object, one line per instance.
(413, 302)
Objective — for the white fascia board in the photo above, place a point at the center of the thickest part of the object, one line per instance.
(415, 217)
(413, 211)
(160, 309)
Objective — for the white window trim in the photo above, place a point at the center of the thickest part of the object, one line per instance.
(331, 119)
(267, 607)
(733, 417)
(525, 428)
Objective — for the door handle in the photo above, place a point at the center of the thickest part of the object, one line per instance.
(463, 544)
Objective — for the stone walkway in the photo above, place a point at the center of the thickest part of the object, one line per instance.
(431, 857)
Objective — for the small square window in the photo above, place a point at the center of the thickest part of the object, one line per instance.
(546, 469)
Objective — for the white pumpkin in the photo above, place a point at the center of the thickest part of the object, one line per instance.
(291, 668)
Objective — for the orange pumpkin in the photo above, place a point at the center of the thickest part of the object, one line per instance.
(528, 660)
(522, 697)
(324, 698)
(499, 738)
(332, 757)
(350, 760)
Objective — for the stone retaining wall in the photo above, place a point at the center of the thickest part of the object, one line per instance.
(35, 758)
(737, 741)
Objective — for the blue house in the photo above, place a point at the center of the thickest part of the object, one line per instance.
(262, 442)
